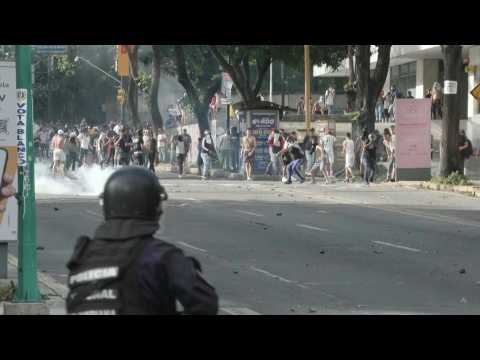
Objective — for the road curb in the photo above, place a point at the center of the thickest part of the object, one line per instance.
(473, 191)
(56, 288)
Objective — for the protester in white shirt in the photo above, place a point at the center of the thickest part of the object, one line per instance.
(329, 147)
(84, 139)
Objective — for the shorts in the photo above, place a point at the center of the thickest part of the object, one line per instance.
(250, 158)
(58, 155)
(330, 156)
(349, 161)
(319, 164)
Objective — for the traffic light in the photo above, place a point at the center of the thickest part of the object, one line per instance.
(121, 96)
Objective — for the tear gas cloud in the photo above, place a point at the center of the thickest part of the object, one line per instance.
(85, 181)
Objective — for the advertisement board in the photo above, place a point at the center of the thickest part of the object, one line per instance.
(413, 139)
(262, 124)
(8, 147)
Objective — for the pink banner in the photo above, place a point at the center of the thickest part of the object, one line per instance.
(412, 133)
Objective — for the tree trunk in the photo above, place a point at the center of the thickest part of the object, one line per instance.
(370, 86)
(363, 76)
(452, 57)
(132, 51)
(200, 110)
(157, 121)
(351, 66)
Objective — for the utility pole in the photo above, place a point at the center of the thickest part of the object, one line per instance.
(308, 110)
(271, 82)
(27, 290)
(282, 75)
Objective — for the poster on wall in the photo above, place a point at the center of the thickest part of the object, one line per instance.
(413, 139)
(8, 147)
(262, 124)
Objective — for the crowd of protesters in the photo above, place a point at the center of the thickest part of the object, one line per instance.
(67, 148)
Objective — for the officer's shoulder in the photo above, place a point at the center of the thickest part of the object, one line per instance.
(162, 247)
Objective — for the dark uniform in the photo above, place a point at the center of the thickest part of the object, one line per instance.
(124, 269)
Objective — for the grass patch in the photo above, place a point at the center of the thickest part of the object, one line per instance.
(455, 179)
(7, 293)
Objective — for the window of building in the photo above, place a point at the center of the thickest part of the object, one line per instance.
(404, 77)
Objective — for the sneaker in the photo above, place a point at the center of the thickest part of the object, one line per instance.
(288, 182)
(302, 181)
(204, 178)
(249, 179)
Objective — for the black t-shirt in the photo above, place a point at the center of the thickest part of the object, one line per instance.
(122, 144)
(137, 144)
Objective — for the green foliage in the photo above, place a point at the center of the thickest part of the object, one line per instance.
(76, 90)
(455, 179)
(7, 293)
(144, 81)
(65, 67)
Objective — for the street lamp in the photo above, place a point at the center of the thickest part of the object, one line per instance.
(96, 67)
(105, 73)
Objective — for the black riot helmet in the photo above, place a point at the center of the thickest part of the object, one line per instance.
(133, 193)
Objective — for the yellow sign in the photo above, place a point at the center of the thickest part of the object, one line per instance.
(476, 92)
(471, 69)
(122, 61)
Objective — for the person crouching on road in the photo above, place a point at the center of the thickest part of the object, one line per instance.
(294, 167)
(124, 269)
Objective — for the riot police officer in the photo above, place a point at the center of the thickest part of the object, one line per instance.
(124, 269)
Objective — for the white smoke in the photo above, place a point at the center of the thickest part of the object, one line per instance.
(85, 181)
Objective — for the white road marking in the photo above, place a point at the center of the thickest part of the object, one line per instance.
(311, 227)
(249, 213)
(93, 213)
(321, 211)
(189, 199)
(191, 246)
(239, 311)
(269, 274)
(397, 246)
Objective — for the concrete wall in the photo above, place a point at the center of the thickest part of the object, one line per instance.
(427, 74)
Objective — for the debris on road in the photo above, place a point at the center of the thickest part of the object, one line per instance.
(322, 252)
(40, 248)
(56, 209)
(292, 309)
(279, 214)
(312, 310)
(463, 271)
(377, 252)
(463, 300)
(235, 271)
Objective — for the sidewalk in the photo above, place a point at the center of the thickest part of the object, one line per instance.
(472, 190)
(53, 293)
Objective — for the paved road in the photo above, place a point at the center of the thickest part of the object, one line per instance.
(270, 248)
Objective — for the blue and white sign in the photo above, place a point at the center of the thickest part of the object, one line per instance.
(50, 49)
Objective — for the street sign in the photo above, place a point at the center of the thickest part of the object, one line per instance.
(450, 87)
(476, 92)
(50, 49)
